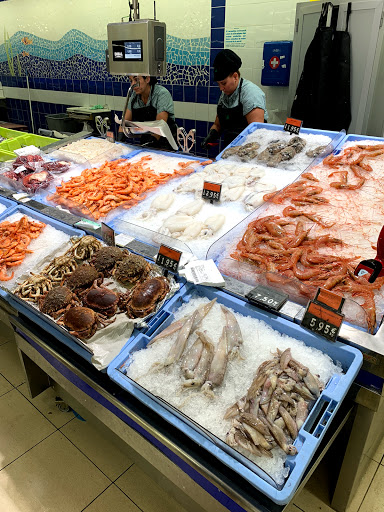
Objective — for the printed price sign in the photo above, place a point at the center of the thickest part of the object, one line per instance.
(323, 314)
(107, 234)
(267, 297)
(211, 191)
(110, 135)
(292, 125)
(168, 258)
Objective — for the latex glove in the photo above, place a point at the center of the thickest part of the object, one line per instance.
(212, 137)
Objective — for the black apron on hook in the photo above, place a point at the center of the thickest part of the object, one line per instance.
(341, 78)
(322, 98)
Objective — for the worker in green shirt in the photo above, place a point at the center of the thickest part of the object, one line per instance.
(241, 101)
(150, 102)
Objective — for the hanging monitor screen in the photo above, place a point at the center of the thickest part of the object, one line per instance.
(128, 50)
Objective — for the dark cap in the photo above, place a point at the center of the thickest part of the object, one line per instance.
(225, 63)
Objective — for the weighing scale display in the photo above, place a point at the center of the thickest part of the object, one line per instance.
(128, 50)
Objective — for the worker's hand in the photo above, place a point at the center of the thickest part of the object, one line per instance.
(210, 139)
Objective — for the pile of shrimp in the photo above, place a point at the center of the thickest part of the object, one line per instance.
(14, 240)
(118, 183)
(316, 230)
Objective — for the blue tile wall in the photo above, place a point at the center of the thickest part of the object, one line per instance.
(52, 65)
(218, 17)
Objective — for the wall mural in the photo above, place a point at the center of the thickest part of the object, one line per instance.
(79, 56)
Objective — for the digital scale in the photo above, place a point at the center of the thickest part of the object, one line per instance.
(136, 47)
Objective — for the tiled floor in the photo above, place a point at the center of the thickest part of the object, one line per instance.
(51, 461)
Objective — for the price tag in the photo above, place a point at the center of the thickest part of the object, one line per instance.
(323, 314)
(110, 135)
(267, 297)
(168, 258)
(292, 125)
(211, 191)
(107, 234)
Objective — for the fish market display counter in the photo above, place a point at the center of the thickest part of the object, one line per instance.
(201, 445)
(197, 478)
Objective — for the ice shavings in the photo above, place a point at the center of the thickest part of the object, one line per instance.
(260, 341)
(300, 161)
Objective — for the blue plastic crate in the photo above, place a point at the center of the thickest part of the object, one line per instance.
(317, 422)
(336, 137)
(355, 138)
(25, 308)
(8, 203)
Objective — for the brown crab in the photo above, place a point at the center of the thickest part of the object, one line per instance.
(83, 277)
(101, 299)
(83, 322)
(57, 301)
(85, 247)
(34, 287)
(60, 267)
(105, 259)
(131, 269)
(145, 296)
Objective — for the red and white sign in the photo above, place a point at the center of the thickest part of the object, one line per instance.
(274, 62)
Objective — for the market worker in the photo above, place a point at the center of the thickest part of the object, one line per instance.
(241, 101)
(150, 102)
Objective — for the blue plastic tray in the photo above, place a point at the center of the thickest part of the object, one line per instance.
(317, 422)
(25, 308)
(336, 137)
(355, 138)
(8, 203)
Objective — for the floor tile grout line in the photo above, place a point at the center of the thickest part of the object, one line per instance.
(125, 494)
(18, 385)
(369, 486)
(125, 470)
(297, 506)
(90, 460)
(29, 449)
(29, 400)
(6, 392)
(95, 498)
